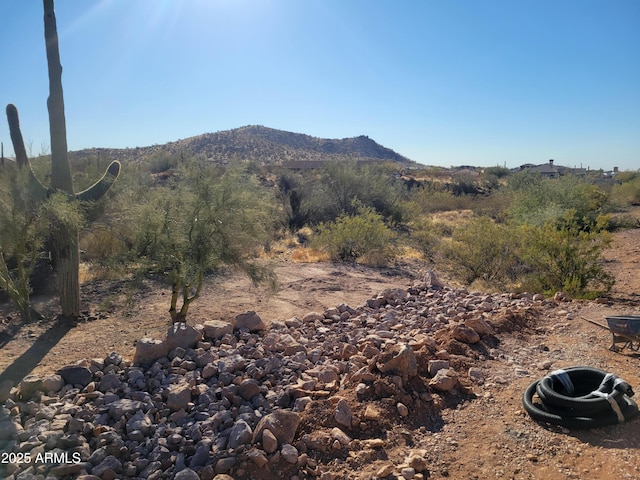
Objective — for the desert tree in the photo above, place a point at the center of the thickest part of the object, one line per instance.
(205, 220)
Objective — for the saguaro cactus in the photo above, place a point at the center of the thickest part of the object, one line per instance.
(65, 239)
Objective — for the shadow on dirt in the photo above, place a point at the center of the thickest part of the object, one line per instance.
(26, 362)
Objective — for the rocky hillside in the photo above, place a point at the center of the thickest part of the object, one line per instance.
(266, 146)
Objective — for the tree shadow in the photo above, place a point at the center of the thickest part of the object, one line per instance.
(25, 363)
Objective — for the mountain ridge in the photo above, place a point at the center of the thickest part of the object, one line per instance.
(256, 143)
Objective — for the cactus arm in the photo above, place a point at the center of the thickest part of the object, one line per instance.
(60, 169)
(98, 189)
(16, 135)
(36, 188)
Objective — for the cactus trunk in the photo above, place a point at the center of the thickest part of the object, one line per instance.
(65, 238)
(66, 254)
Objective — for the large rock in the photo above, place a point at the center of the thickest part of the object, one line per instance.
(465, 334)
(149, 350)
(249, 320)
(281, 423)
(76, 375)
(182, 335)
(240, 434)
(215, 329)
(52, 383)
(342, 413)
(30, 385)
(179, 396)
(432, 280)
(399, 359)
(479, 325)
(444, 380)
(313, 317)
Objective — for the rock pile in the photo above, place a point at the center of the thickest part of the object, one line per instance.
(230, 399)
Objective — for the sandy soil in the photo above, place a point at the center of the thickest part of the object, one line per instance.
(490, 436)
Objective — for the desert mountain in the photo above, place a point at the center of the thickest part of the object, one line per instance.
(265, 146)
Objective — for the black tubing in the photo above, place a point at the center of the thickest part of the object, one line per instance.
(629, 410)
(580, 397)
(581, 412)
(583, 382)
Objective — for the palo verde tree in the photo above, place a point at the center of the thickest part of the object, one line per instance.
(65, 234)
(206, 220)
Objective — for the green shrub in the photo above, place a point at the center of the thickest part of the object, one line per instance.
(565, 256)
(536, 200)
(427, 236)
(24, 229)
(482, 250)
(362, 237)
(342, 186)
(627, 192)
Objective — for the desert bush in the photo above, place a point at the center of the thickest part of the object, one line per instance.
(104, 247)
(565, 256)
(161, 162)
(343, 185)
(482, 250)
(627, 192)
(207, 220)
(362, 237)
(437, 198)
(24, 230)
(426, 236)
(497, 171)
(536, 200)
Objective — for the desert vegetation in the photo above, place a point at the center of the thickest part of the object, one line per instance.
(181, 219)
(185, 211)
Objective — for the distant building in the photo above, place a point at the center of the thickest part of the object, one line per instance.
(551, 170)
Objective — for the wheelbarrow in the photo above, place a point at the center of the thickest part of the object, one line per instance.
(624, 329)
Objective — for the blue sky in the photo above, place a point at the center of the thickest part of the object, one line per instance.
(443, 82)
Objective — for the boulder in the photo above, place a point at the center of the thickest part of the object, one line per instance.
(343, 413)
(76, 375)
(445, 380)
(399, 359)
(215, 329)
(186, 474)
(179, 396)
(479, 325)
(249, 320)
(432, 280)
(281, 423)
(465, 334)
(313, 317)
(30, 385)
(182, 335)
(52, 383)
(149, 350)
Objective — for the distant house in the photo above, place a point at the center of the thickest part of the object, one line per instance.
(550, 170)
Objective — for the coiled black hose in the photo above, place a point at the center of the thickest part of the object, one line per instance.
(580, 397)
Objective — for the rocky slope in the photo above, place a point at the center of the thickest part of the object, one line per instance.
(249, 401)
(255, 143)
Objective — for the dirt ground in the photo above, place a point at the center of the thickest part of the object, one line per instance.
(490, 436)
